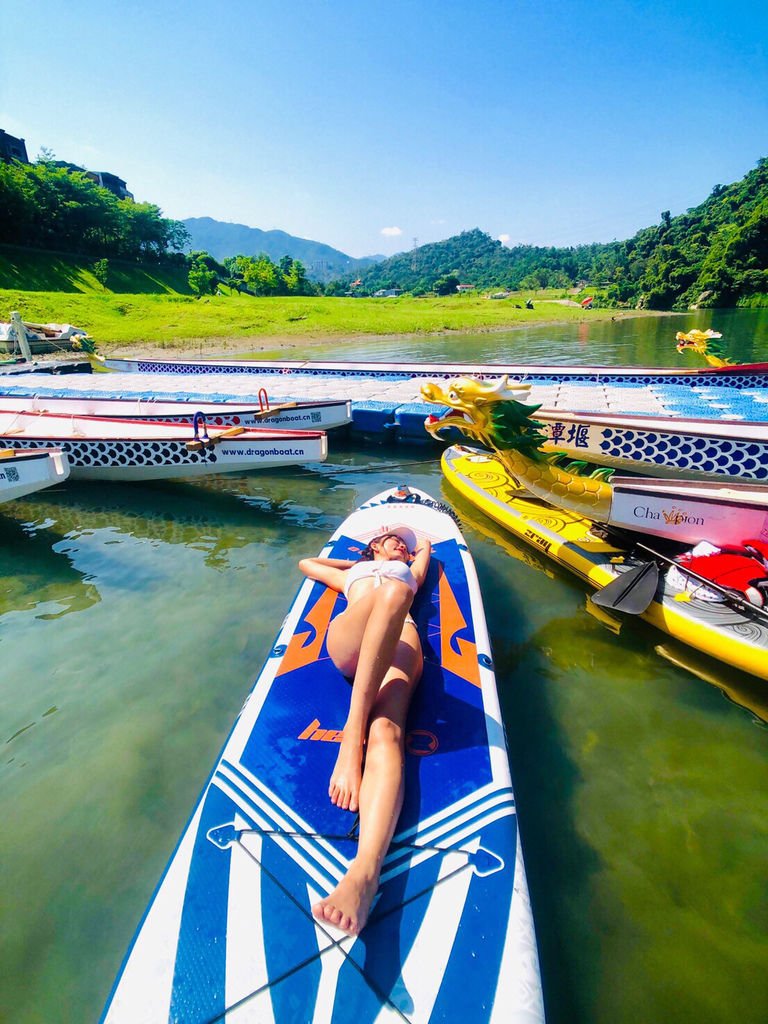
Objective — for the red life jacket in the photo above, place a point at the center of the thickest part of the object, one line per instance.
(743, 568)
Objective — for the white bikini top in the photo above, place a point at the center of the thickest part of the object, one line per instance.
(389, 569)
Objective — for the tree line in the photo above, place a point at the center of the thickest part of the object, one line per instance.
(52, 207)
(45, 206)
(249, 275)
(715, 254)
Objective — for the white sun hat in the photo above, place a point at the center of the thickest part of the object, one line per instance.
(404, 532)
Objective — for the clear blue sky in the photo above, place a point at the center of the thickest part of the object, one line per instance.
(370, 125)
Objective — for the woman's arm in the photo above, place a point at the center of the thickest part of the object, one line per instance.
(420, 563)
(329, 571)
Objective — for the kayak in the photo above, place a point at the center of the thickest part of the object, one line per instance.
(229, 933)
(729, 630)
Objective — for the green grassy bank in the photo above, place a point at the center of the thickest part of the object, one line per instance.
(180, 321)
(33, 270)
(176, 320)
(152, 306)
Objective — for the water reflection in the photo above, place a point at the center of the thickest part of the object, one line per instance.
(215, 518)
(36, 568)
(631, 341)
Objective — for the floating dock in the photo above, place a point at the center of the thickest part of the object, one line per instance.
(386, 400)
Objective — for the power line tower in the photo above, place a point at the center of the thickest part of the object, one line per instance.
(414, 247)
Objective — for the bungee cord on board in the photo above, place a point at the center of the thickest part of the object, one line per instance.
(337, 943)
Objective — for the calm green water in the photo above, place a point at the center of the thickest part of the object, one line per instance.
(642, 341)
(134, 619)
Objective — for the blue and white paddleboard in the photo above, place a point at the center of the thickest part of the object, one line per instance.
(229, 934)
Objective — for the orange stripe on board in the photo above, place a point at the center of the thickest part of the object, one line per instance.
(458, 655)
(300, 653)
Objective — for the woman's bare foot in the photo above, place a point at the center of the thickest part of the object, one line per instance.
(344, 788)
(347, 907)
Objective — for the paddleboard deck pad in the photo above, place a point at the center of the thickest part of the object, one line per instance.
(229, 934)
(683, 607)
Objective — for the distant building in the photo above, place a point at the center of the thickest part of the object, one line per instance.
(12, 148)
(110, 182)
(387, 293)
(465, 287)
(67, 166)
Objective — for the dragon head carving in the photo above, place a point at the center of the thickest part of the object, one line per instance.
(492, 413)
(705, 343)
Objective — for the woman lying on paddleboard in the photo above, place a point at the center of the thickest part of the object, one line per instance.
(374, 643)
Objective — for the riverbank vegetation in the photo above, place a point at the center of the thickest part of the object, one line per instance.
(182, 321)
(47, 205)
(62, 233)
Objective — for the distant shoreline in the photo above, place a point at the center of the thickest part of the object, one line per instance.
(289, 346)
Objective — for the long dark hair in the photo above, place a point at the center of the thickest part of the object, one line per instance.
(368, 553)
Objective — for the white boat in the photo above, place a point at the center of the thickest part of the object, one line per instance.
(286, 415)
(23, 472)
(27, 338)
(109, 448)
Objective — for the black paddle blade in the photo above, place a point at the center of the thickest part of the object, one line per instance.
(632, 591)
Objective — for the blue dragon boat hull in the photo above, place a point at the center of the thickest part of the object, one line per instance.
(747, 375)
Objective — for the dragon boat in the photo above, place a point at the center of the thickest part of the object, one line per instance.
(696, 435)
(103, 448)
(686, 511)
(673, 446)
(709, 345)
(289, 415)
(720, 373)
(716, 621)
(737, 687)
(708, 586)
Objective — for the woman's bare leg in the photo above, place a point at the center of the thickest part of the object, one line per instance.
(381, 793)
(363, 640)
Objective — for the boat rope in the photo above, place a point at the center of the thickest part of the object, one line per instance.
(351, 836)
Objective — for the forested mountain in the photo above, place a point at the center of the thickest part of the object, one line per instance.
(223, 240)
(473, 257)
(715, 254)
